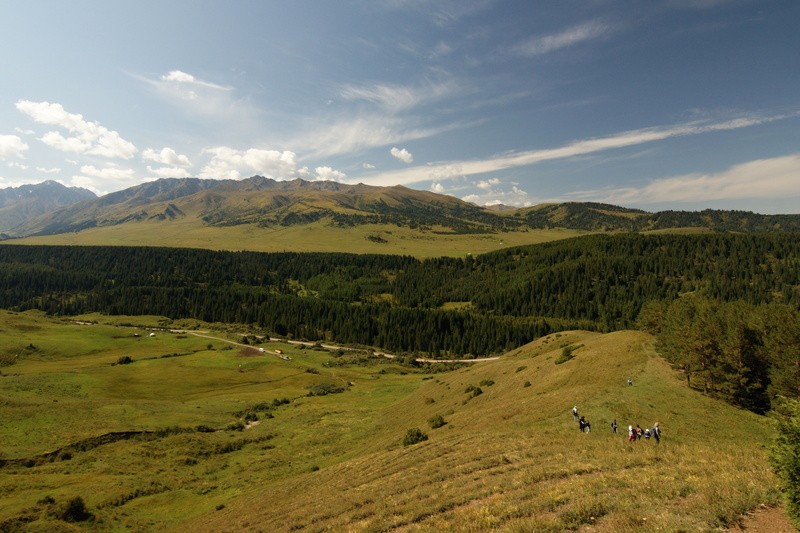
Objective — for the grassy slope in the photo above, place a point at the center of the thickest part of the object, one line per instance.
(510, 458)
(513, 459)
(316, 237)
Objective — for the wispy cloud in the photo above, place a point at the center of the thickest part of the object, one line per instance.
(762, 178)
(395, 98)
(355, 134)
(200, 98)
(581, 147)
(545, 44)
(87, 137)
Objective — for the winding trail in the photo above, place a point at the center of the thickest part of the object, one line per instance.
(204, 334)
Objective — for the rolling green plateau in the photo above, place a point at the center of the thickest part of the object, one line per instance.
(159, 424)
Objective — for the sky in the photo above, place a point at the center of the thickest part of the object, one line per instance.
(649, 104)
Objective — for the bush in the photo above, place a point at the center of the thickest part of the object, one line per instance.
(487, 383)
(413, 436)
(437, 421)
(566, 354)
(473, 391)
(323, 389)
(75, 511)
(526, 384)
(125, 360)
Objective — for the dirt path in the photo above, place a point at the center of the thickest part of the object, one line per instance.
(766, 520)
(204, 335)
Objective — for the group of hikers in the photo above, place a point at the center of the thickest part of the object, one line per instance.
(634, 433)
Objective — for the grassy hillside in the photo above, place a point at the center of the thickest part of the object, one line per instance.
(315, 237)
(510, 458)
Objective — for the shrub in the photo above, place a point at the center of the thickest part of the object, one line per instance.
(75, 511)
(323, 389)
(785, 455)
(487, 382)
(526, 384)
(473, 391)
(566, 354)
(520, 368)
(413, 436)
(436, 421)
(125, 360)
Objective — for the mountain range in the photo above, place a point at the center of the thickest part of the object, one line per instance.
(19, 205)
(51, 209)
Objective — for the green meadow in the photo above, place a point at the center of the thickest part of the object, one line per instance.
(316, 237)
(199, 432)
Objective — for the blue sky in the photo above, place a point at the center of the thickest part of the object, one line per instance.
(671, 104)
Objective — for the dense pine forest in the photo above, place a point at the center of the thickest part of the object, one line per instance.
(457, 307)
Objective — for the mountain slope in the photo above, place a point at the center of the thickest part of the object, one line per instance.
(262, 214)
(266, 202)
(512, 459)
(18, 205)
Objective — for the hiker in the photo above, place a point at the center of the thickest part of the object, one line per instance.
(638, 432)
(614, 426)
(656, 431)
(582, 424)
(631, 434)
(588, 426)
(630, 381)
(647, 434)
(574, 413)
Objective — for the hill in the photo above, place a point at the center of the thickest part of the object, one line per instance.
(327, 451)
(262, 214)
(18, 205)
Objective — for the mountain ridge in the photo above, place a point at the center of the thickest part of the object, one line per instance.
(268, 203)
(20, 204)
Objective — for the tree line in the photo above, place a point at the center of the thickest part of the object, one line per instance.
(441, 307)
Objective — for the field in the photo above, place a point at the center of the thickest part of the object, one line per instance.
(187, 455)
(316, 237)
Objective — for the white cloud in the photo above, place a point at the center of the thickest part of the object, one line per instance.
(571, 36)
(437, 187)
(777, 178)
(53, 170)
(102, 180)
(228, 163)
(89, 137)
(11, 146)
(167, 172)
(403, 155)
(14, 164)
(329, 174)
(515, 196)
(367, 166)
(167, 156)
(581, 147)
(108, 173)
(488, 184)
